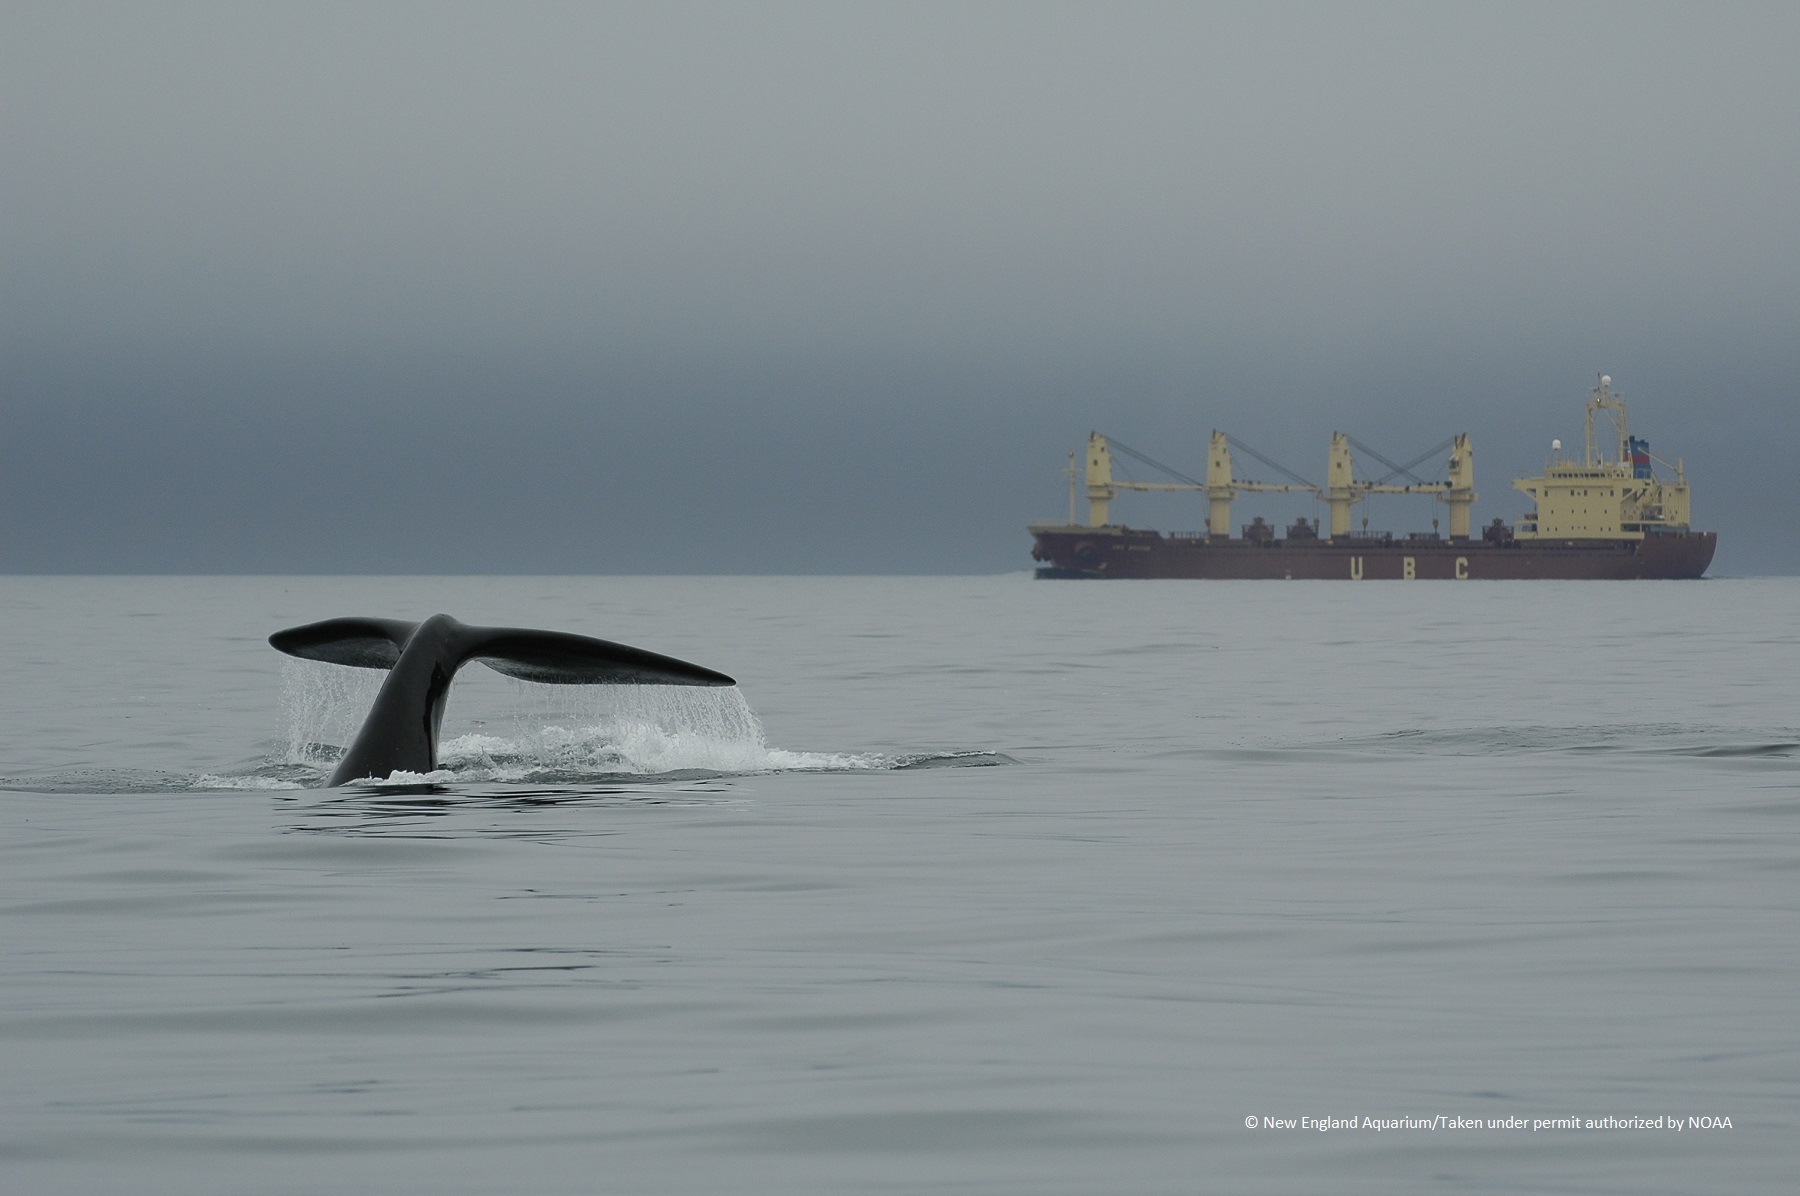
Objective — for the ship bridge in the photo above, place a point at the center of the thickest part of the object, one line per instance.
(1603, 497)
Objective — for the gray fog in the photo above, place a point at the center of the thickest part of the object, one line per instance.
(814, 288)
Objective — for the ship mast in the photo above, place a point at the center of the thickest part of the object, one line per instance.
(1603, 399)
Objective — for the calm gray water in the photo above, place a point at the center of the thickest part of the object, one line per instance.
(1015, 886)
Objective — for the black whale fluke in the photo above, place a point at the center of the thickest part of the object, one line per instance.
(401, 732)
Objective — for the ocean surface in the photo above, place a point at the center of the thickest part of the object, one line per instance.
(973, 885)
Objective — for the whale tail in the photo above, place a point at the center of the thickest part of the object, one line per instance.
(401, 731)
(547, 657)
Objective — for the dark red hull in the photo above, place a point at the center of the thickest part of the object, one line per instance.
(1129, 552)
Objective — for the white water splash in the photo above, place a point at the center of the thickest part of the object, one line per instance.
(632, 730)
(561, 732)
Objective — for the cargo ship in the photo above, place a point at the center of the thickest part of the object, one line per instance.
(1611, 514)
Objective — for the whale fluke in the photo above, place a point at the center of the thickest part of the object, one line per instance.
(363, 643)
(401, 732)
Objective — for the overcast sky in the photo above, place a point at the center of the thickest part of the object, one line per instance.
(835, 287)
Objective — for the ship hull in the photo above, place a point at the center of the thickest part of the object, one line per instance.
(1124, 552)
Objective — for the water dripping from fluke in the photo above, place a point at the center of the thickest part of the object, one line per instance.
(573, 736)
(400, 731)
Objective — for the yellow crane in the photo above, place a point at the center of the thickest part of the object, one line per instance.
(1341, 492)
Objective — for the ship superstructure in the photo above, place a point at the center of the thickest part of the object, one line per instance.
(1599, 517)
(1606, 498)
